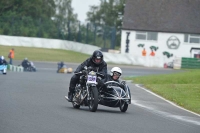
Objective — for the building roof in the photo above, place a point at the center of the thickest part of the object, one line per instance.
(179, 16)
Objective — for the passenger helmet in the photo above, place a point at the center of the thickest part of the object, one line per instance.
(97, 54)
(115, 69)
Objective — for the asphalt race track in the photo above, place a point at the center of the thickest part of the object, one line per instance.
(34, 103)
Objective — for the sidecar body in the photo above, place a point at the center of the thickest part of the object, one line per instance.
(114, 96)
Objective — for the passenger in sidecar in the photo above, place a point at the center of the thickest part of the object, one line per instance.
(114, 76)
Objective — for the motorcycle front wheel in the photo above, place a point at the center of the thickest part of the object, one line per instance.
(93, 99)
(75, 105)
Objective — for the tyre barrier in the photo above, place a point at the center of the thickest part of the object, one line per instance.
(65, 70)
(69, 70)
(15, 68)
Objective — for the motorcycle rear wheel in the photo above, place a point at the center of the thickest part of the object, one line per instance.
(123, 106)
(93, 100)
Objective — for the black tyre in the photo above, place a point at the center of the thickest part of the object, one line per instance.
(123, 106)
(31, 69)
(4, 73)
(93, 99)
(75, 105)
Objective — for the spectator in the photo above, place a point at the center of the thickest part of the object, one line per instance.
(11, 55)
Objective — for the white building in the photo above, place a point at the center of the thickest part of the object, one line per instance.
(169, 27)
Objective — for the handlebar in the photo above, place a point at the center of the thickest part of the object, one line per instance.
(88, 69)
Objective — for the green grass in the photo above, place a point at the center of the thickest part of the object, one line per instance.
(41, 54)
(180, 88)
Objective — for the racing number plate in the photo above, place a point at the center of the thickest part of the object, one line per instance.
(91, 79)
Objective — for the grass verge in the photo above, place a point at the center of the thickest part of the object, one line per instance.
(180, 88)
(42, 54)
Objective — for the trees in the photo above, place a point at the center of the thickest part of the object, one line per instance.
(108, 14)
(33, 8)
(43, 18)
(55, 19)
(64, 16)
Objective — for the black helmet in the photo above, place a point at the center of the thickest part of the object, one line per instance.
(97, 54)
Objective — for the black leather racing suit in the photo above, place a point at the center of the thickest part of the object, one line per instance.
(101, 68)
(3, 62)
(25, 64)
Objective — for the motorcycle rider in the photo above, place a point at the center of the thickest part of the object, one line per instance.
(96, 61)
(25, 63)
(60, 65)
(3, 62)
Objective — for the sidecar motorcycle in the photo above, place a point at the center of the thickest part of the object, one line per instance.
(62, 68)
(30, 68)
(87, 93)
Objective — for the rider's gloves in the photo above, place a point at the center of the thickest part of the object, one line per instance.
(99, 78)
(123, 82)
(99, 81)
(84, 72)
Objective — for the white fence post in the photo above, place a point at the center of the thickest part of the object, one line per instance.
(16, 68)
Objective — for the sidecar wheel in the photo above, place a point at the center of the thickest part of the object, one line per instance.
(93, 102)
(123, 106)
